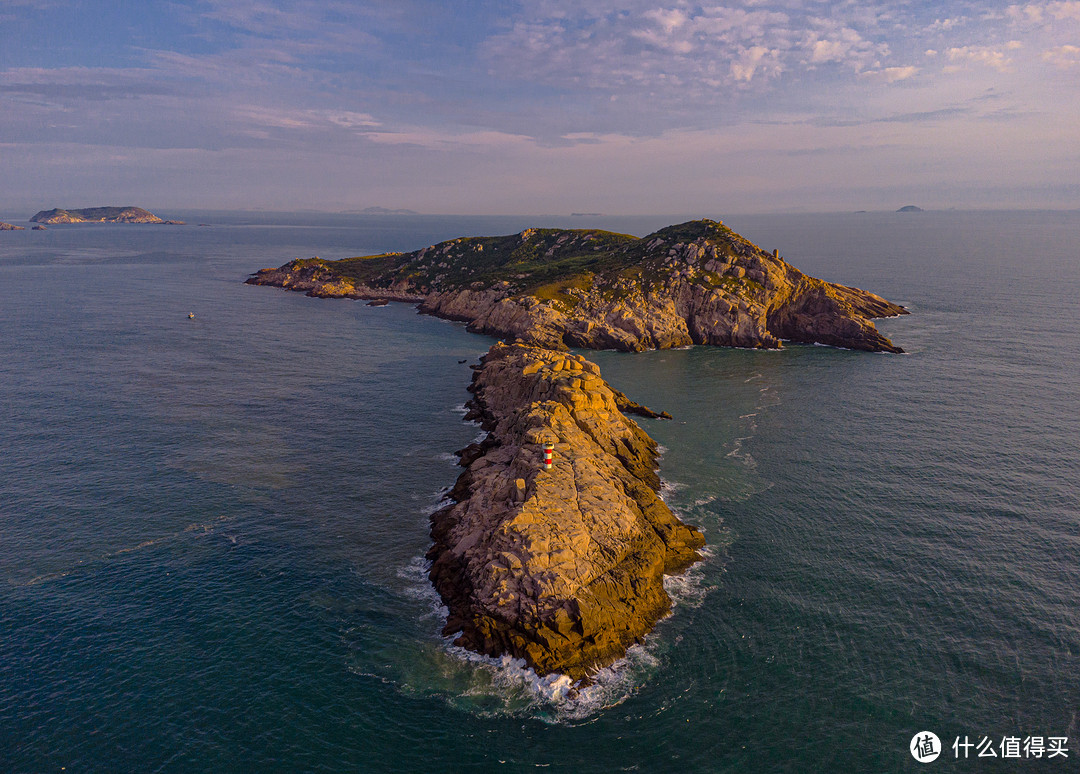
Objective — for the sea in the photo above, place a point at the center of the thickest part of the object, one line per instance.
(213, 528)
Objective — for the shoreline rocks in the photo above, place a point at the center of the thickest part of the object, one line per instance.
(314, 279)
(563, 567)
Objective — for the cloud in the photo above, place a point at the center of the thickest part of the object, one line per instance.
(708, 52)
(1063, 56)
(947, 25)
(891, 74)
(751, 60)
(1043, 12)
(433, 139)
(68, 84)
(256, 115)
(834, 43)
(986, 56)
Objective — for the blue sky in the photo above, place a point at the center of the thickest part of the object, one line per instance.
(549, 106)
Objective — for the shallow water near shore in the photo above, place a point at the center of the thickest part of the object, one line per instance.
(212, 530)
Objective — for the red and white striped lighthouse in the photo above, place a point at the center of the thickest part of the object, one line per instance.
(549, 451)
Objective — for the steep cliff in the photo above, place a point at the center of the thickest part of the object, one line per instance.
(561, 567)
(693, 283)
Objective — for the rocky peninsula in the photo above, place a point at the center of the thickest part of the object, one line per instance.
(564, 567)
(101, 215)
(693, 283)
(9, 227)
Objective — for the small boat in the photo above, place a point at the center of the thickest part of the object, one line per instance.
(191, 315)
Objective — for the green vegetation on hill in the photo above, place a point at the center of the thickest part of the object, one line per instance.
(531, 260)
(552, 264)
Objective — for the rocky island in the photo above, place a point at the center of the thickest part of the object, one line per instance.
(101, 215)
(693, 283)
(9, 227)
(564, 567)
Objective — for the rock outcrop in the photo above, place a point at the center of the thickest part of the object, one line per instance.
(561, 567)
(317, 279)
(101, 215)
(694, 283)
(9, 227)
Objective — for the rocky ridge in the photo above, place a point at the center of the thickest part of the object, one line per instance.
(563, 567)
(101, 215)
(692, 283)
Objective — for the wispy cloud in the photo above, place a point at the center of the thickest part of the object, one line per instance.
(891, 74)
(67, 84)
(997, 58)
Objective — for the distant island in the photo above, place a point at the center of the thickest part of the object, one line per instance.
(101, 215)
(556, 543)
(585, 214)
(9, 227)
(911, 208)
(385, 211)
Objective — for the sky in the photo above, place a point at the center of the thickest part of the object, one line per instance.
(547, 106)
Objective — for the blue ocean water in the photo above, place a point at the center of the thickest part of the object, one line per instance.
(212, 529)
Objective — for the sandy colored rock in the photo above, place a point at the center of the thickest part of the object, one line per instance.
(561, 567)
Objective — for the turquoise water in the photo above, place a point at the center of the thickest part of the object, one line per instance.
(212, 530)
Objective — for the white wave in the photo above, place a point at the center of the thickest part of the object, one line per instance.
(439, 501)
(688, 589)
(420, 588)
(500, 686)
(554, 698)
(669, 489)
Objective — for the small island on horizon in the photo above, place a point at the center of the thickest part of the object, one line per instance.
(385, 211)
(101, 215)
(911, 208)
(556, 543)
